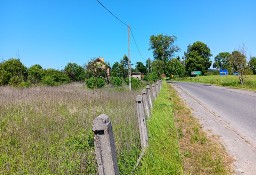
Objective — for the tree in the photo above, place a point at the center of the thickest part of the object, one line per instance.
(53, 77)
(163, 47)
(252, 65)
(141, 68)
(197, 57)
(74, 72)
(35, 74)
(12, 72)
(176, 68)
(148, 65)
(222, 61)
(125, 64)
(117, 70)
(238, 61)
(96, 68)
(158, 67)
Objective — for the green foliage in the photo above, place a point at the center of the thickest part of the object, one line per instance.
(96, 68)
(222, 61)
(152, 77)
(95, 82)
(12, 72)
(117, 70)
(53, 77)
(175, 68)
(136, 83)
(163, 47)
(198, 57)
(35, 74)
(158, 67)
(140, 67)
(163, 154)
(238, 61)
(252, 65)
(116, 81)
(75, 72)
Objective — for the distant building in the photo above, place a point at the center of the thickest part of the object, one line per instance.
(100, 62)
(137, 75)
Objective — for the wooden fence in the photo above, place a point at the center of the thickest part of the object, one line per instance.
(104, 143)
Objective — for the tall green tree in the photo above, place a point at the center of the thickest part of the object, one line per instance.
(12, 72)
(175, 68)
(74, 72)
(163, 47)
(252, 65)
(148, 65)
(117, 70)
(125, 64)
(222, 61)
(158, 67)
(141, 68)
(197, 57)
(238, 61)
(35, 74)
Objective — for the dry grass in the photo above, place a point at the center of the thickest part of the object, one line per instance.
(47, 130)
(202, 154)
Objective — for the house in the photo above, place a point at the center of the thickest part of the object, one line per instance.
(136, 75)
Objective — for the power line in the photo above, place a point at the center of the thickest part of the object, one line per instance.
(112, 13)
(123, 24)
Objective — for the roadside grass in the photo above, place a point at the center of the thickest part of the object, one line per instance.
(162, 156)
(230, 81)
(47, 130)
(201, 153)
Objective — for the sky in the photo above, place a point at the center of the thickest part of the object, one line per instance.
(53, 33)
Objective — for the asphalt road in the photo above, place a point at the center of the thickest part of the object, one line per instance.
(229, 113)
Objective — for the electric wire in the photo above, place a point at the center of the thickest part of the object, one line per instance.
(123, 24)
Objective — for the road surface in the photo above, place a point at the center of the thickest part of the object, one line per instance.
(229, 113)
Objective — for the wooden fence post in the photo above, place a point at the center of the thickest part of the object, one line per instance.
(149, 97)
(157, 87)
(145, 102)
(153, 91)
(105, 146)
(142, 122)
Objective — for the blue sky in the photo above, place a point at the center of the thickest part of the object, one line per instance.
(53, 33)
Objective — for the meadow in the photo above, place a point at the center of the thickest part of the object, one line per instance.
(229, 81)
(48, 130)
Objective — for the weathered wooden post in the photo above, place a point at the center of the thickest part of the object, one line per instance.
(157, 87)
(149, 97)
(105, 146)
(142, 122)
(153, 89)
(145, 102)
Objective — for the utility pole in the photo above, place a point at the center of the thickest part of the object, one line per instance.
(129, 60)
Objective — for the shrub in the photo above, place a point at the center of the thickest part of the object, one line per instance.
(136, 83)
(152, 77)
(116, 81)
(52, 77)
(94, 82)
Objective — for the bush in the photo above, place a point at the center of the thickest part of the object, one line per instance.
(52, 77)
(152, 77)
(94, 82)
(136, 83)
(116, 81)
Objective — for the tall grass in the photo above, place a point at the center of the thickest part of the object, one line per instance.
(230, 81)
(47, 130)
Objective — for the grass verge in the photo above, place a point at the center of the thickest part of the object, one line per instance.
(229, 81)
(162, 155)
(201, 153)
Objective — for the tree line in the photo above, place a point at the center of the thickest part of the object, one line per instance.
(97, 73)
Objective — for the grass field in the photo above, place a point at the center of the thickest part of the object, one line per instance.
(47, 130)
(230, 81)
